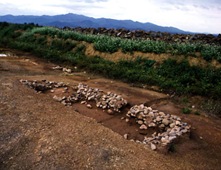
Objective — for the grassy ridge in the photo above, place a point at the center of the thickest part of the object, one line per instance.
(171, 76)
(109, 44)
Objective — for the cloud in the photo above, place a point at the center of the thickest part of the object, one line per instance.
(92, 1)
(190, 15)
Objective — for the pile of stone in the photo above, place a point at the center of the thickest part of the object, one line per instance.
(151, 35)
(88, 93)
(43, 85)
(170, 126)
(67, 101)
(67, 70)
(167, 127)
(110, 101)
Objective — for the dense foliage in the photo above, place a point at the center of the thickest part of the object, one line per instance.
(109, 44)
(171, 76)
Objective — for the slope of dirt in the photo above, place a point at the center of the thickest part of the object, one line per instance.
(38, 133)
(159, 58)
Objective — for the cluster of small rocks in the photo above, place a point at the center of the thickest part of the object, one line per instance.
(110, 101)
(170, 126)
(167, 127)
(88, 93)
(43, 85)
(67, 70)
(151, 35)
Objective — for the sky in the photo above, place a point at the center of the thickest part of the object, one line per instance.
(203, 16)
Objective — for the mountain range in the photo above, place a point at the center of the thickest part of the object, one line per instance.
(75, 20)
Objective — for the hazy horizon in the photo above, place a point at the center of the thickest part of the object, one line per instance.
(191, 15)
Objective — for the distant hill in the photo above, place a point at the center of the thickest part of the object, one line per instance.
(75, 20)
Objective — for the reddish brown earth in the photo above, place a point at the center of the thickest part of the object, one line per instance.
(37, 132)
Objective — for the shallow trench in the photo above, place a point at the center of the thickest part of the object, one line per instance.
(116, 120)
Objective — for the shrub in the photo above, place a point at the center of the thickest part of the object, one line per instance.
(186, 110)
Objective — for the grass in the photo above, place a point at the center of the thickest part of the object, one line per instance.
(186, 110)
(109, 44)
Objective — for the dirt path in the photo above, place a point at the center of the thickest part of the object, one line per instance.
(38, 133)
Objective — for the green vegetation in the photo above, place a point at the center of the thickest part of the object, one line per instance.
(109, 44)
(171, 76)
(186, 110)
(197, 113)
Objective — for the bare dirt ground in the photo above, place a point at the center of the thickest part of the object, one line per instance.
(38, 133)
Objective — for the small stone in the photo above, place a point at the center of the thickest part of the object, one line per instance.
(140, 122)
(152, 146)
(109, 111)
(140, 115)
(158, 119)
(177, 122)
(184, 131)
(89, 106)
(98, 104)
(143, 127)
(58, 99)
(52, 91)
(68, 70)
(161, 113)
(83, 102)
(172, 138)
(165, 122)
(64, 102)
(151, 114)
(125, 136)
(164, 140)
(162, 126)
(152, 125)
(127, 120)
(172, 125)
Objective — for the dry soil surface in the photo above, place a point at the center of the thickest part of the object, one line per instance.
(37, 132)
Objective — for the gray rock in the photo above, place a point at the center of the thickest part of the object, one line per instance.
(152, 125)
(165, 122)
(162, 126)
(177, 122)
(125, 136)
(109, 111)
(140, 122)
(83, 102)
(151, 114)
(58, 99)
(127, 120)
(172, 125)
(164, 140)
(158, 119)
(89, 106)
(152, 146)
(143, 127)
